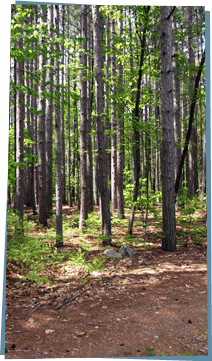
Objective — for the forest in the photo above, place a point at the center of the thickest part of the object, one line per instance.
(107, 147)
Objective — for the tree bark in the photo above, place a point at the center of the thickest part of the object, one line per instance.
(83, 119)
(62, 112)
(136, 137)
(193, 184)
(89, 140)
(68, 147)
(19, 196)
(168, 176)
(49, 115)
(104, 191)
(42, 213)
(59, 225)
(113, 123)
(120, 134)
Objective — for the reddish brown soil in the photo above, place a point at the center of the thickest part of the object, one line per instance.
(153, 304)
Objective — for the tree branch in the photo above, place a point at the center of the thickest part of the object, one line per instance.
(168, 17)
(191, 118)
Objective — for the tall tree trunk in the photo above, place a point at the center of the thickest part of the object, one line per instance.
(113, 123)
(107, 120)
(42, 215)
(68, 148)
(32, 161)
(59, 225)
(83, 119)
(89, 140)
(35, 118)
(120, 135)
(176, 106)
(168, 176)
(62, 113)
(49, 116)
(193, 185)
(136, 133)
(28, 193)
(19, 196)
(104, 191)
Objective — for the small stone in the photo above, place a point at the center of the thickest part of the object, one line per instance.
(126, 251)
(111, 253)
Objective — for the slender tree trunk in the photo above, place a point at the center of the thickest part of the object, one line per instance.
(49, 122)
(176, 106)
(113, 124)
(62, 114)
(42, 215)
(96, 166)
(89, 140)
(193, 185)
(107, 120)
(35, 120)
(28, 193)
(136, 133)
(104, 191)
(83, 120)
(68, 150)
(168, 176)
(19, 196)
(120, 135)
(59, 225)
(32, 162)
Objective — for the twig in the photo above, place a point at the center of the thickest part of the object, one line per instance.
(133, 281)
(72, 298)
(40, 304)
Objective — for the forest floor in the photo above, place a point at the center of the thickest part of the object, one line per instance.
(154, 304)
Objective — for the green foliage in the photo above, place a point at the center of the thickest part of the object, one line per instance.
(78, 258)
(33, 253)
(150, 351)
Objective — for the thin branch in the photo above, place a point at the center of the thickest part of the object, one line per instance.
(191, 118)
(168, 17)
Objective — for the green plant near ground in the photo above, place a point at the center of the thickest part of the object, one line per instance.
(150, 351)
(129, 238)
(78, 258)
(203, 330)
(127, 353)
(185, 353)
(33, 253)
(63, 317)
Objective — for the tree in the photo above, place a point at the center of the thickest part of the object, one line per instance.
(49, 117)
(89, 140)
(193, 185)
(19, 196)
(42, 213)
(83, 118)
(120, 133)
(167, 166)
(135, 124)
(104, 191)
(113, 122)
(59, 225)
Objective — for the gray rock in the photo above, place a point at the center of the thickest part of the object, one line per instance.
(111, 253)
(126, 251)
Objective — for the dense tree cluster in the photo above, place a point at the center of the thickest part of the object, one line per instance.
(107, 107)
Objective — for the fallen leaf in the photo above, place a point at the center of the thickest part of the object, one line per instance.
(49, 331)
(81, 334)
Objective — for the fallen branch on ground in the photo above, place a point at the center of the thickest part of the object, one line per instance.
(71, 298)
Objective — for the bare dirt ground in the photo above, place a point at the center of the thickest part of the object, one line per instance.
(154, 304)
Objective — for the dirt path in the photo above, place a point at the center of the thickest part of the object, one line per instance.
(154, 304)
